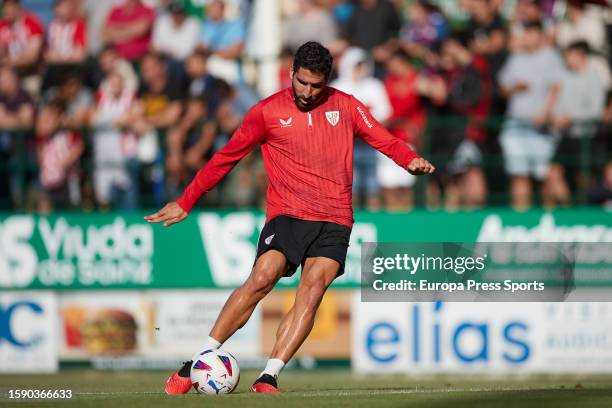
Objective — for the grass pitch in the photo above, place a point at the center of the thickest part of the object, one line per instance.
(318, 389)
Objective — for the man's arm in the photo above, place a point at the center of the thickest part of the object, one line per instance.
(118, 32)
(374, 134)
(168, 117)
(29, 56)
(20, 119)
(245, 138)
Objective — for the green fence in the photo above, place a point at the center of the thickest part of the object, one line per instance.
(21, 166)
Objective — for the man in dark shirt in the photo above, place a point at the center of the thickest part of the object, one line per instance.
(374, 26)
(486, 34)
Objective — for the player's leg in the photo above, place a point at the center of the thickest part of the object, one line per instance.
(318, 274)
(296, 325)
(268, 269)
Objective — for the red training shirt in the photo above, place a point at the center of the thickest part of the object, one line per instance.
(308, 155)
(136, 47)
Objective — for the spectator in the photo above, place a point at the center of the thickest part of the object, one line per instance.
(16, 112)
(224, 40)
(312, 22)
(581, 24)
(66, 44)
(114, 150)
(529, 11)
(374, 26)
(59, 151)
(486, 33)
(21, 41)
(96, 13)
(128, 28)
(109, 61)
(160, 96)
(16, 108)
(581, 103)
(160, 102)
(407, 122)
(425, 27)
(175, 34)
(77, 99)
(186, 153)
(466, 96)
(530, 81)
(285, 65)
(355, 77)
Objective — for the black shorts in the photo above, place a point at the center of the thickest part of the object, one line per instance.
(301, 239)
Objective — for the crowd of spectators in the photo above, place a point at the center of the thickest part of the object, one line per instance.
(116, 104)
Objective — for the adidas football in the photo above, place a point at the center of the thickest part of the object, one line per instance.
(214, 372)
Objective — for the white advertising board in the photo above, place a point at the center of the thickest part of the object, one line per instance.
(481, 337)
(28, 332)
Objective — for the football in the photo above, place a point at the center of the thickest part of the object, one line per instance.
(215, 372)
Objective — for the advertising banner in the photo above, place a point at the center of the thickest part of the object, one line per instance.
(28, 332)
(439, 337)
(155, 325)
(217, 249)
(184, 318)
(331, 335)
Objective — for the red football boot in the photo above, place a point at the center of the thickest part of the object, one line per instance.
(180, 381)
(266, 384)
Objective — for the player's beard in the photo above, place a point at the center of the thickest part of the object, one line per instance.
(301, 104)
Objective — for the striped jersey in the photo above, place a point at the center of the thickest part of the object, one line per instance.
(308, 155)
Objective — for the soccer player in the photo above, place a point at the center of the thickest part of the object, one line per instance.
(306, 134)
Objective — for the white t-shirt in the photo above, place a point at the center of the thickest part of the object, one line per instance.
(178, 42)
(540, 70)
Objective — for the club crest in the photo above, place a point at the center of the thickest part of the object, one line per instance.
(332, 117)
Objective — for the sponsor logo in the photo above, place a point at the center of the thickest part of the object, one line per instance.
(228, 246)
(364, 117)
(493, 230)
(434, 336)
(28, 332)
(269, 239)
(105, 255)
(21, 309)
(70, 254)
(286, 123)
(332, 117)
(18, 259)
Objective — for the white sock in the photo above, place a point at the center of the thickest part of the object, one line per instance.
(211, 344)
(273, 367)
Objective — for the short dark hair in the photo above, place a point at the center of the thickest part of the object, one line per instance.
(581, 46)
(313, 57)
(401, 54)
(56, 104)
(534, 25)
(200, 53)
(156, 56)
